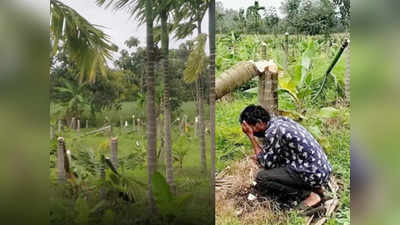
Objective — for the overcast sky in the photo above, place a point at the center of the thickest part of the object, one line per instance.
(118, 25)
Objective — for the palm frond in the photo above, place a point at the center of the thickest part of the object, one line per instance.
(196, 62)
(85, 43)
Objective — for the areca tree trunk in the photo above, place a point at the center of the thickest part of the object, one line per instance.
(167, 107)
(211, 28)
(150, 95)
(203, 160)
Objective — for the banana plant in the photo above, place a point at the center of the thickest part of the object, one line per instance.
(168, 204)
(297, 82)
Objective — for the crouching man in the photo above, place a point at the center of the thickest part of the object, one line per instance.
(294, 165)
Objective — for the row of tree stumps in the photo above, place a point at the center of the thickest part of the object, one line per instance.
(64, 156)
(74, 124)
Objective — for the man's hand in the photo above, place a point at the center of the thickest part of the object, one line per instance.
(255, 160)
(246, 128)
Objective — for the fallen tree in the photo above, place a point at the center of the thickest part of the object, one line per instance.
(239, 74)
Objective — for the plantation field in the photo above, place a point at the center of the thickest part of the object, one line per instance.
(326, 116)
(86, 151)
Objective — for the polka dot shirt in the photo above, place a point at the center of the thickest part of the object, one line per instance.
(288, 144)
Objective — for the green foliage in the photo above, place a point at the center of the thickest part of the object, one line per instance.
(75, 102)
(168, 204)
(125, 183)
(181, 148)
(85, 44)
(298, 17)
(83, 211)
(196, 63)
(308, 59)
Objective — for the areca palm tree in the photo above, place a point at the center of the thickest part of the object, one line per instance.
(151, 114)
(195, 67)
(143, 10)
(87, 45)
(162, 10)
(194, 11)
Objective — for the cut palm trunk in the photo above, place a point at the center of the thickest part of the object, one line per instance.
(243, 72)
(102, 175)
(51, 132)
(114, 151)
(62, 177)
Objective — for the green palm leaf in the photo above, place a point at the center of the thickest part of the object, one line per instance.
(85, 43)
(196, 63)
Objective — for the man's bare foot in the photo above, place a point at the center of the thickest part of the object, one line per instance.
(312, 199)
(320, 191)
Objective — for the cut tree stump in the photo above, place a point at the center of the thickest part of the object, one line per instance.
(51, 132)
(61, 155)
(78, 126)
(114, 151)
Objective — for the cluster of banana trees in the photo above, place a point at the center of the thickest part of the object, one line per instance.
(303, 62)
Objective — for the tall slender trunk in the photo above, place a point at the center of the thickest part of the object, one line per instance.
(167, 105)
(203, 160)
(211, 28)
(150, 95)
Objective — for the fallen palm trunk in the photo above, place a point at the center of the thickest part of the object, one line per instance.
(241, 73)
(99, 130)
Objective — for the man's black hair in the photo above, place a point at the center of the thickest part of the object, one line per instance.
(253, 114)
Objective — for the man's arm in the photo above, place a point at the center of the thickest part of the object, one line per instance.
(264, 157)
(256, 147)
